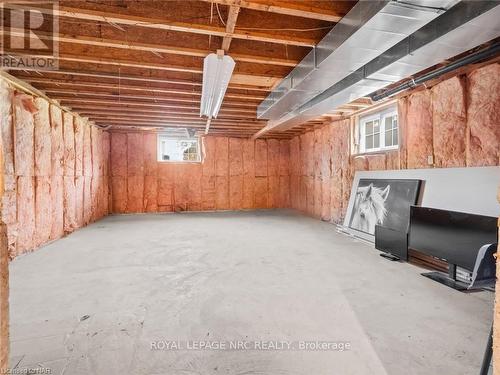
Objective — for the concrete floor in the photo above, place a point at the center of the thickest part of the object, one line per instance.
(256, 277)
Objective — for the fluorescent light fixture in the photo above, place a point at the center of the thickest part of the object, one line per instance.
(217, 71)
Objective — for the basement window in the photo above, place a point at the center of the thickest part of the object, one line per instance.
(379, 131)
(178, 149)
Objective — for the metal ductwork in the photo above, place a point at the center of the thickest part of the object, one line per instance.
(475, 57)
(369, 29)
(439, 35)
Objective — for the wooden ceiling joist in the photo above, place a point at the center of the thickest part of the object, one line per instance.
(88, 110)
(133, 64)
(150, 65)
(136, 103)
(57, 94)
(235, 128)
(48, 83)
(176, 115)
(236, 77)
(155, 98)
(155, 23)
(175, 120)
(234, 107)
(161, 114)
(126, 77)
(148, 47)
(145, 106)
(216, 130)
(291, 8)
(236, 125)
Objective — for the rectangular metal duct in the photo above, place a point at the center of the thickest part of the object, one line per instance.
(369, 29)
(465, 26)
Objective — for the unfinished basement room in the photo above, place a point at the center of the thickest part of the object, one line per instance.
(249, 187)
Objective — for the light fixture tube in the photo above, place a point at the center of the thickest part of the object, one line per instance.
(217, 71)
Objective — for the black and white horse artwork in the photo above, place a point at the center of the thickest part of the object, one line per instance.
(369, 208)
(381, 201)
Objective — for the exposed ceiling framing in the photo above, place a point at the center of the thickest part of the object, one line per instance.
(137, 63)
(232, 17)
(306, 9)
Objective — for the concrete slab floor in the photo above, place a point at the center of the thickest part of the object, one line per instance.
(96, 301)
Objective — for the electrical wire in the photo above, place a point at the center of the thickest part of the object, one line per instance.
(218, 12)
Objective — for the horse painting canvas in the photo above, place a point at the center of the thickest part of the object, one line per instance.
(369, 208)
(383, 202)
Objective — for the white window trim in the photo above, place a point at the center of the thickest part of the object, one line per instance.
(159, 151)
(381, 115)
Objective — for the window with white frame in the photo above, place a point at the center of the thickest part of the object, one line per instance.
(379, 131)
(178, 149)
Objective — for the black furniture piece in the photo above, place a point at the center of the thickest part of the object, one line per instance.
(392, 242)
(455, 237)
(392, 237)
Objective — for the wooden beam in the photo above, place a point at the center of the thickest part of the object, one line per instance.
(181, 64)
(47, 83)
(135, 103)
(177, 120)
(295, 9)
(71, 82)
(236, 77)
(234, 10)
(217, 129)
(273, 128)
(155, 99)
(128, 63)
(363, 100)
(171, 102)
(162, 115)
(117, 106)
(148, 47)
(354, 105)
(121, 63)
(155, 23)
(124, 109)
(84, 96)
(361, 105)
(114, 125)
(121, 77)
(240, 121)
(261, 132)
(181, 123)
